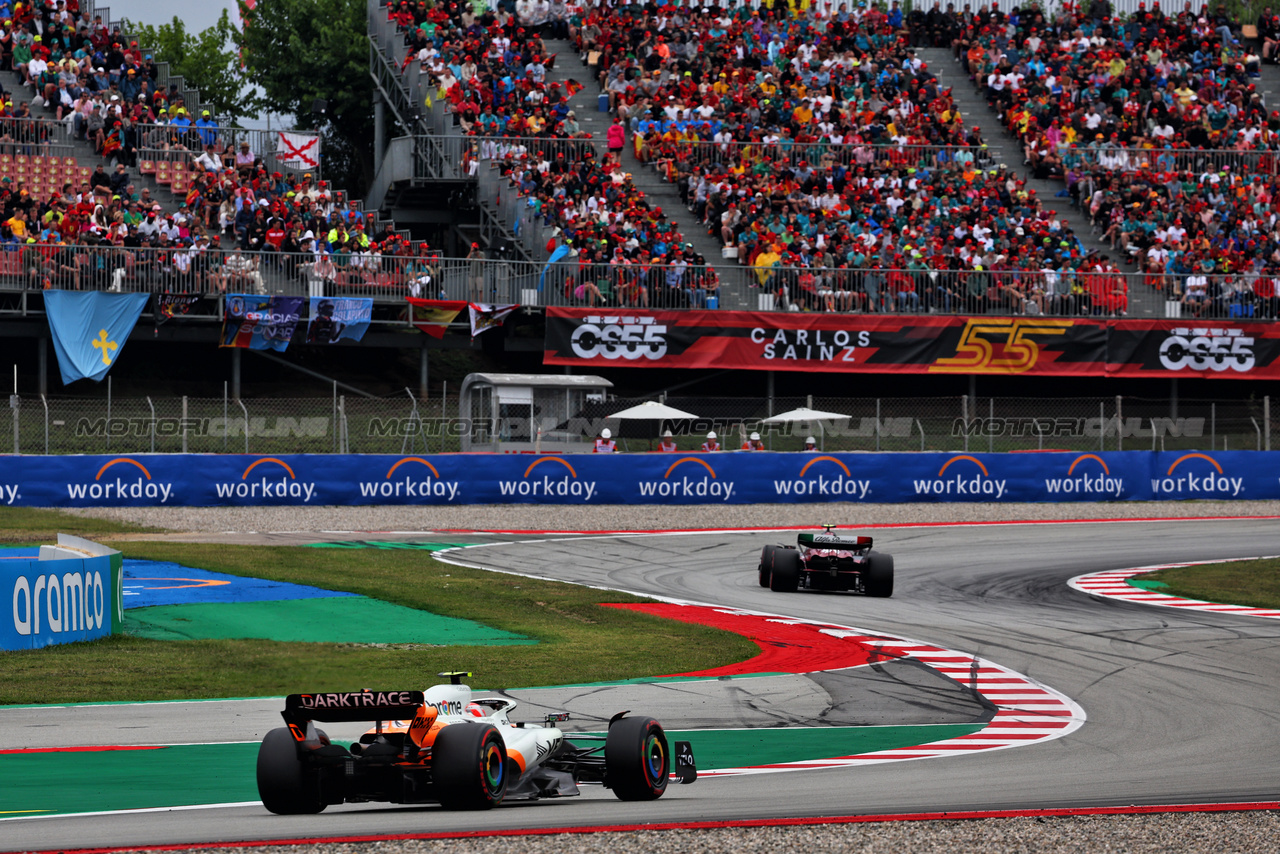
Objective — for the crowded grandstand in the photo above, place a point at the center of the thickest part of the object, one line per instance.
(811, 141)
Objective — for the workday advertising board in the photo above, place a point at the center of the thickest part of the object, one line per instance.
(721, 478)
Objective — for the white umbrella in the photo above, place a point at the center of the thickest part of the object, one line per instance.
(651, 410)
(805, 414)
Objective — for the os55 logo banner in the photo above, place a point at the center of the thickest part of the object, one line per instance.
(619, 337)
(919, 344)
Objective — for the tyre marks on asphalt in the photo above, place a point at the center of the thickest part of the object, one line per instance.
(1025, 711)
(1114, 584)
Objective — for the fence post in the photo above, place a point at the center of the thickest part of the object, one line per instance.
(964, 419)
(1213, 426)
(877, 424)
(184, 424)
(45, 401)
(1266, 422)
(1102, 425)
(921, 428)
(152, 407)
(226, 419)
(991, 419)
(245, 410)
(14, 402)
(1119, 421)
(336, 439)
(344, 444)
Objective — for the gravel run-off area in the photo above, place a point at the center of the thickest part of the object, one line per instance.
(535, 517)
(1210, 832)
(1186, 833)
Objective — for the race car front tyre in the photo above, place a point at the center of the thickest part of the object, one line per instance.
(636, 759)
(878, 578)
(785, 576)
(469, 767)
(285, 786)
(766, 564)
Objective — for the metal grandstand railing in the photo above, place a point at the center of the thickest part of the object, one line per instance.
(1255, 161)
(46, 137)
(613, 283)
(176, 142)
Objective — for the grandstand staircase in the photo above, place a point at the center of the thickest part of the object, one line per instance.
(656, 189)
(1004, 148)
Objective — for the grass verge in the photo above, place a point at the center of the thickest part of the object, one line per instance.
(1255, 583)
(578, 640)
(26, 525)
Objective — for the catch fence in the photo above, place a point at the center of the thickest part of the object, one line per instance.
(406, 425)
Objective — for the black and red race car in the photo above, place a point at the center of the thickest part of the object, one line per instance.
(827, 561)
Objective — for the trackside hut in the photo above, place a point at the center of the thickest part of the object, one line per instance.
(529, 412)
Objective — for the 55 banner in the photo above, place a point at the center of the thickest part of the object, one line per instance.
(886, 344)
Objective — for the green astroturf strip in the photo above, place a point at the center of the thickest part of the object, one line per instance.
(127, 779)
(738, 748)
(224, 773)
(386, 545)
(1147, 584)
(351, 619)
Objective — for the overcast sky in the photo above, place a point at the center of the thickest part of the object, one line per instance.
(196, 16)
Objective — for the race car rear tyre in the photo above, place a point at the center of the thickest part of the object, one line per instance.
(636, 759)
(878, 579)
(285, 786)
(785, 576)
(469, 767)
(766, 564)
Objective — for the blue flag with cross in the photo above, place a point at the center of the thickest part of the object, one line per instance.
(89, 329)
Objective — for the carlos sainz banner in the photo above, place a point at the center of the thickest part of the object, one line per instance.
(914, 344)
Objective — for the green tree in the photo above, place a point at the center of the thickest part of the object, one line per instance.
(208, 61)
(301, 51)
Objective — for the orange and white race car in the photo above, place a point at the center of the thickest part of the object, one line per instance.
(444, 746)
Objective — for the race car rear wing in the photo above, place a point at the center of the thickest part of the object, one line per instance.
(351, 706)
(832, 541)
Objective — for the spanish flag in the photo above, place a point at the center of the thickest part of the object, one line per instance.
(433, 316)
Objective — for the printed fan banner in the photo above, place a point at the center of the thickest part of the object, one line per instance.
(89, 329)
(299, 150)
(167, 306)
(338, 318)
(260, 322)
(485, 316)
(433, 316)
(912, 344)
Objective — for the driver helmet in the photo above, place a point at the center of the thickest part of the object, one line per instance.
(711, 435)
(755, 437)
(606, 434)
(474, 710)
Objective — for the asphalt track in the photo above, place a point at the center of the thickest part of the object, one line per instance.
(1182, 706)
